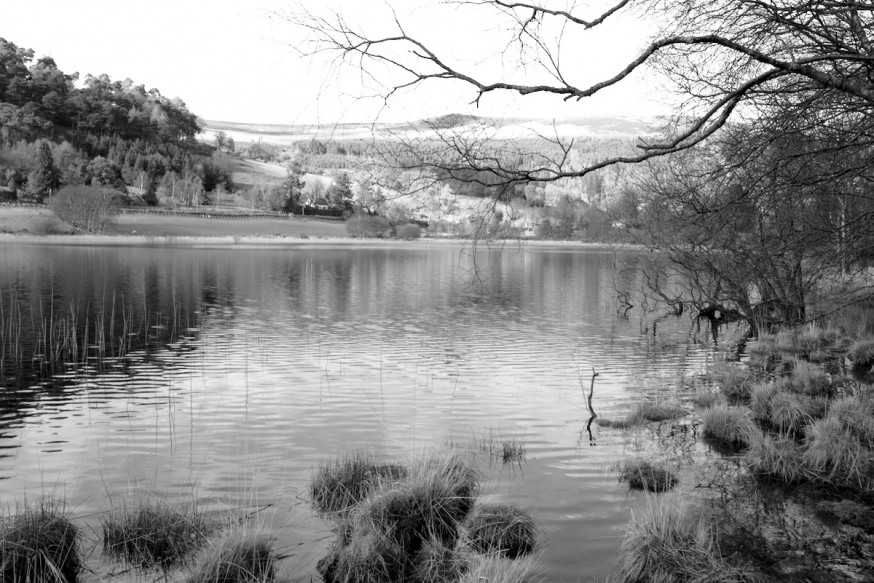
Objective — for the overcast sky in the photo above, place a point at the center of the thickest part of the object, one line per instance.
(235, 60)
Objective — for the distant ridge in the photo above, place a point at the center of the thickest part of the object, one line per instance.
(498, 128)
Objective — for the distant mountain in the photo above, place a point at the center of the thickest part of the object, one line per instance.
(497, 128)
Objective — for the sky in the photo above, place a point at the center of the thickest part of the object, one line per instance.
(242, 61)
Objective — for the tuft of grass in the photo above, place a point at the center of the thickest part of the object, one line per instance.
(810, 379)
(642, 475)
(861, 355)
(501, 529)
(149, 534)
(729, 424)
(705, 398)
(655, 411)
(39, 543)
(760, 400)
(789, 412)
(777, 457)
(734, 380)
(437, 563)
(508, 450)
(241, 555)
(383, 538)
(835, 454)
(496, 569)
(665, 543)
(339, 485)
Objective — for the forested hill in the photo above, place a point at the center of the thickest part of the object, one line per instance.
(98, 130)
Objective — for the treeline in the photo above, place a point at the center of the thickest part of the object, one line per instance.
(55, 132)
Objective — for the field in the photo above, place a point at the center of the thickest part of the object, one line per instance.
(30, 221)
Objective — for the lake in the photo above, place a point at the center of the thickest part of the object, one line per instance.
(243, 369)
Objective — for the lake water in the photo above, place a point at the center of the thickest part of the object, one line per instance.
(243, 369)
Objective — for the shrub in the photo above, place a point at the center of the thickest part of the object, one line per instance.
(154, 534)
(642, 475)
(501, 529)
(664, 543)
(87, 208)
(729, 424)
(339, 485)
(242, 555)
(360, 225)
(39, 543)
(408, 231)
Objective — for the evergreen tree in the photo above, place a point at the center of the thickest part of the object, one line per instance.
(43, 180)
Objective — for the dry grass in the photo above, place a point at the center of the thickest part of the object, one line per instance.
(38, 543)
(501, 529)
(151, 533)
(642, 475)
(339, 485)
(729, 424)
(240, 555)
(665, 543)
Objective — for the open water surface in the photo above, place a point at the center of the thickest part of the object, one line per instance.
(243, 369)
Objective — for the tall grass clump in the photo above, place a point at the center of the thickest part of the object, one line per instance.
(642, 475)
(339, 485)
(665, 543)
(861, 355)
(810, 379)
(149, 534)
(776, 457)
(731, 425)
(241, 555)
(790, 413)
(836, 454)
(382, 539)
(501, 529)
(734, 381)
(39, 544)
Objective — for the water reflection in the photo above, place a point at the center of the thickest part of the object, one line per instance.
(257, 364)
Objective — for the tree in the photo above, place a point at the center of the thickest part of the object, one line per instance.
(771, 136)
(340, 192)
(294, 185)
(44, 178)
(87, 208)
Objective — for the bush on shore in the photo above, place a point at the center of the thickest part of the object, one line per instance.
(87, 208)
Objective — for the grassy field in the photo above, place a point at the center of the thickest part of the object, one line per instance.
(31, 221)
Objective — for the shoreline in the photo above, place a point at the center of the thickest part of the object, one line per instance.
(283, 241)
